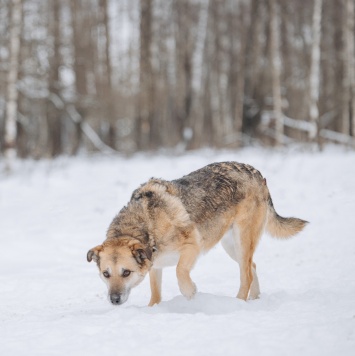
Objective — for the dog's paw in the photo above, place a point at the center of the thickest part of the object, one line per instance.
(253, 296)
(154, 301)
(188, 291)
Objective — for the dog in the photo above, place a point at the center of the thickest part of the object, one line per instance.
(172, 223)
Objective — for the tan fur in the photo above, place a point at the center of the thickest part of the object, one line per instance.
(174, 222)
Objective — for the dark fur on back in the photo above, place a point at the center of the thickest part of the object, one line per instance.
(205, 194)
(211, 190)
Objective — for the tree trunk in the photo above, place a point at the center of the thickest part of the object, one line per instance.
(111, 139)
(351, 39)
(81, 43)
(53, 114)
(243, 24)
(276, 69)
(185, 66)
(253, 48)
(12, 92)
(218, 123)
(199, 79)
(146, 90)
(201, 104)
(347, 122)
(314, 75)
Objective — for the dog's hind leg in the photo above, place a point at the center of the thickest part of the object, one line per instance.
(244, 253)
(231, 244)
(155, 275)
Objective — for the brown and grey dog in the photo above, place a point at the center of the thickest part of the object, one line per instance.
(173, 222)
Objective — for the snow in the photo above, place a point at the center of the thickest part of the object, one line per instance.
(52, 301)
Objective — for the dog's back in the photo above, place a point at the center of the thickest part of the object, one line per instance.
(216, 188)
(213, 194)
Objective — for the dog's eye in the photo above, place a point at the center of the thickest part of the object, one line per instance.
(106, 274)
(126, 273)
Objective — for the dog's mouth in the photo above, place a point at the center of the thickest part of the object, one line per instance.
(118, 298)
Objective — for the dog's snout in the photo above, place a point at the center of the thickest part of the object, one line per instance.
(115, 298)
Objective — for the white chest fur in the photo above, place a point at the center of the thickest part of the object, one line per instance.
(166, 259)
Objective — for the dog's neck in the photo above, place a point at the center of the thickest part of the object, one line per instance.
(152, 245)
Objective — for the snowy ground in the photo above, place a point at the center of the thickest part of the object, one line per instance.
(52, 301)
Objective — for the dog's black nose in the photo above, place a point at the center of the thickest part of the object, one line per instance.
(115, 298)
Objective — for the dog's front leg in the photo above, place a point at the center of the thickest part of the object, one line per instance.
(188, 257)
(155, 276)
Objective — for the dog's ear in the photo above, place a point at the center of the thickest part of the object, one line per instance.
(93, 254)
(141, 252)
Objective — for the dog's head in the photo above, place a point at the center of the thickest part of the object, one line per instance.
(123, 264)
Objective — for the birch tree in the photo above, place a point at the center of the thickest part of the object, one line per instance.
(351, 54)
(314, 75)
(185, 61)
(53, 114)
(275, 71)
(12, 92)
(348, 95)
(108, 87)
(198, 75)
(146, 90)
(81, 46)
(145, 74)
(243, 25)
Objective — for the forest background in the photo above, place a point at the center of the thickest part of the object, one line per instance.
(130, 75)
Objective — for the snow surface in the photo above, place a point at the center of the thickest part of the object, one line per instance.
(52, 301)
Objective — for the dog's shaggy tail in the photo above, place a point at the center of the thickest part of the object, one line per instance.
(280, 227)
